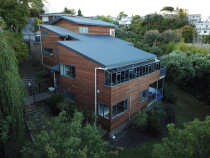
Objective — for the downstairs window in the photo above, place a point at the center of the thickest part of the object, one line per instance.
(119, 108)
(103, 110)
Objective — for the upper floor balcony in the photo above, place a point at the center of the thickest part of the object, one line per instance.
(124, 74)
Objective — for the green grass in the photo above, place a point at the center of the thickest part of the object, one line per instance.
(187, 108)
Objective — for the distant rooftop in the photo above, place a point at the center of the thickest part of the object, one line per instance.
(56, 14)
(84, 21)
(105, 50)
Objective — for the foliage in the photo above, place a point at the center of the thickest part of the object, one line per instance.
(168, 8)
(69, 11)
(37, 22)
(179, 67)
(141, 119)
(12, 93)
(68, 139)
(192, 141)
(156, 116)
(16, 17)
(187, 33)
(53, 103)
(34, 12)
(168, 95)
(206, 39)
(79, 13)
(3, 24)
(107, 19)
(122, 14)
(157, 51)
(182, 12)
(184, 47)
(151, 37)
(171, 36)
(20, 48)
(43, 73)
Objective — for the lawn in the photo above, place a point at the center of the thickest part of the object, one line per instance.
(187, 108)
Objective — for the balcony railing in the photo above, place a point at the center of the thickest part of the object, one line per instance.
(162, 71)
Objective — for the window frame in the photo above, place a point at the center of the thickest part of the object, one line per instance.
(103, 110)
(125, 110)
(141, 94)
(51, 54)
(84, 30)
(45, 34)
(71, 70)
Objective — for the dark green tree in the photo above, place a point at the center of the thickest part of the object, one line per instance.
(167, 8)
(68, 139)
(69, 11)
(15, 13)
(192, 141)
(12, 93)
(122, 14)
(79, 13)
(187, 33)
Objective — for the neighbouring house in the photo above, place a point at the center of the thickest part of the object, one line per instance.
(125, 21)
(46, 18)
(194, 18)
(99, 72)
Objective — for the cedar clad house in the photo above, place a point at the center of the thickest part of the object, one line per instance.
(99, 72)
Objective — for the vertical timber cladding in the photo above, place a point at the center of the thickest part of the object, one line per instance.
(104, 96)
(50, 42)
(83, 86)
(102, 30)
(122, 91)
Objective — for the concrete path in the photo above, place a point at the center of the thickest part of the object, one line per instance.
(27, 32)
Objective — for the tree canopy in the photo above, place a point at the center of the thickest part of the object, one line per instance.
(69, 11)
(12, 93)
(16, 17)
(192, 141)
(167, 8)
(79, 13)
(68, 139)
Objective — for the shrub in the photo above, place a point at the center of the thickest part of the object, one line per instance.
(141, 119)
(43, 73)
(156, 118)
(157, 51)
(168, 95)
(53, 103)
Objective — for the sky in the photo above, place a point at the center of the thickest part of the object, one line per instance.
(130, 7)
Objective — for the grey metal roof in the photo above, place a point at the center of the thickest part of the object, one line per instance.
(105, 50)
(84, 21)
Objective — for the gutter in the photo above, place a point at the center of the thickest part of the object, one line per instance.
(96, 68)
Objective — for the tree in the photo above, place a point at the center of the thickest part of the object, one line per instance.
(171, 36)
(79, 13)
(179, 67)
(16, 17)
(192, 141)
(68, 139)
(69, 11)
(187, 33)
(12, 93)
(107, 19)
(122, 14)
(167, 8)
(151, 37)
(20, 48)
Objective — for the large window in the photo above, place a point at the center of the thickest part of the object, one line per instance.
(70, 96)
(103, 110)
(47, 51)
(119, 108)
(44, 34)
(116, 76)
(67, 70)
(143, 95)
(83, 29)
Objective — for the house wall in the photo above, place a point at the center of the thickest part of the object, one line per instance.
(102, 30)
(116, 94)
(51, 42)
(83, 86)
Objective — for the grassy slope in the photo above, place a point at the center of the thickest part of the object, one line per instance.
(187, 108)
